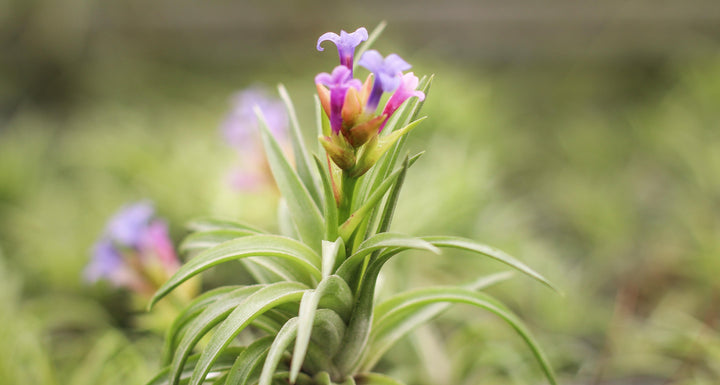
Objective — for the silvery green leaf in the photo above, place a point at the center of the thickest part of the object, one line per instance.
(283, 339)
(305, 213)
(383, 339)
(191, 311)
(223, 363)
(207, 224)
(415, 301)
(254, 305)
(498, 255)
(348, 269)
(201, 324)
(206, 239)
(296, 253)
(329, 202)
(336, 289)
(302, 158)
(249, 362)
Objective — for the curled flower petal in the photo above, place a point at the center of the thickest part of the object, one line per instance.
(407, 89)
(387, 74)
(346, 44)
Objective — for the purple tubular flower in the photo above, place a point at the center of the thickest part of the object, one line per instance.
(133, 244)
(387, 73)
(338, 82)
(240, 125)
(156, 242)
(346, 44)
(126, 227)
(407, 89)
(106, 262)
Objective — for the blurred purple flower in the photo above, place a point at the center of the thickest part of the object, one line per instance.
(133, 248)
(346, 44)
(338, 82)
(387, 72)
(241, 130)
(240, 127)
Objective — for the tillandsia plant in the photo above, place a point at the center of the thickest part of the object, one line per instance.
(312, 316)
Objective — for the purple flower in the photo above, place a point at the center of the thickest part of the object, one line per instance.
(387, 74)
(241, 130)
(407, 89)
(240, 127)
(346, 44)
(127, 226)
(338, 82)
(134, 246)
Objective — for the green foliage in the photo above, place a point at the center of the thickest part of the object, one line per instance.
(312, 315)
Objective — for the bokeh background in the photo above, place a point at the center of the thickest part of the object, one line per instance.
(581, 137)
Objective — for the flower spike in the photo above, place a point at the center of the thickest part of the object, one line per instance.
(387, 72)
(346, 44)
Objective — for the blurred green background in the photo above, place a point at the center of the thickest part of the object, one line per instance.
(583, 138)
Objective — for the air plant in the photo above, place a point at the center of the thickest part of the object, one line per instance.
(312, 316)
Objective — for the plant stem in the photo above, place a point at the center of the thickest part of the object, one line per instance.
(346, 200)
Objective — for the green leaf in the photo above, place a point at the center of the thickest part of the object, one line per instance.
(253, 306)
(283, 339)
(348, 270)
(249, 362)
(209, 238)
(224, 362)
(375, 379)
(383, 339)
(329, 203)
(200, 325)
(208, 224)
(470, 245)
(298, 254)
(333, 287)
(302, 157)
(417, 300)
(305, 212)
(349, 227)
(191, 311)
(333, 253)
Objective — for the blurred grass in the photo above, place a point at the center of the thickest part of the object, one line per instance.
(605, 177)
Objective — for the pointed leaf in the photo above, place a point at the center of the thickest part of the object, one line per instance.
(470, 245)
(253, 306)
(383, 339)
(302, 158)
(201, 240)
(207, 224)
(200, 325)
(329, 203)
(283, 339)
(224, 362)
(305, 212)
(417, 300)
(249, 362)
(332, 286)
(291, 250)
(348, 269)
